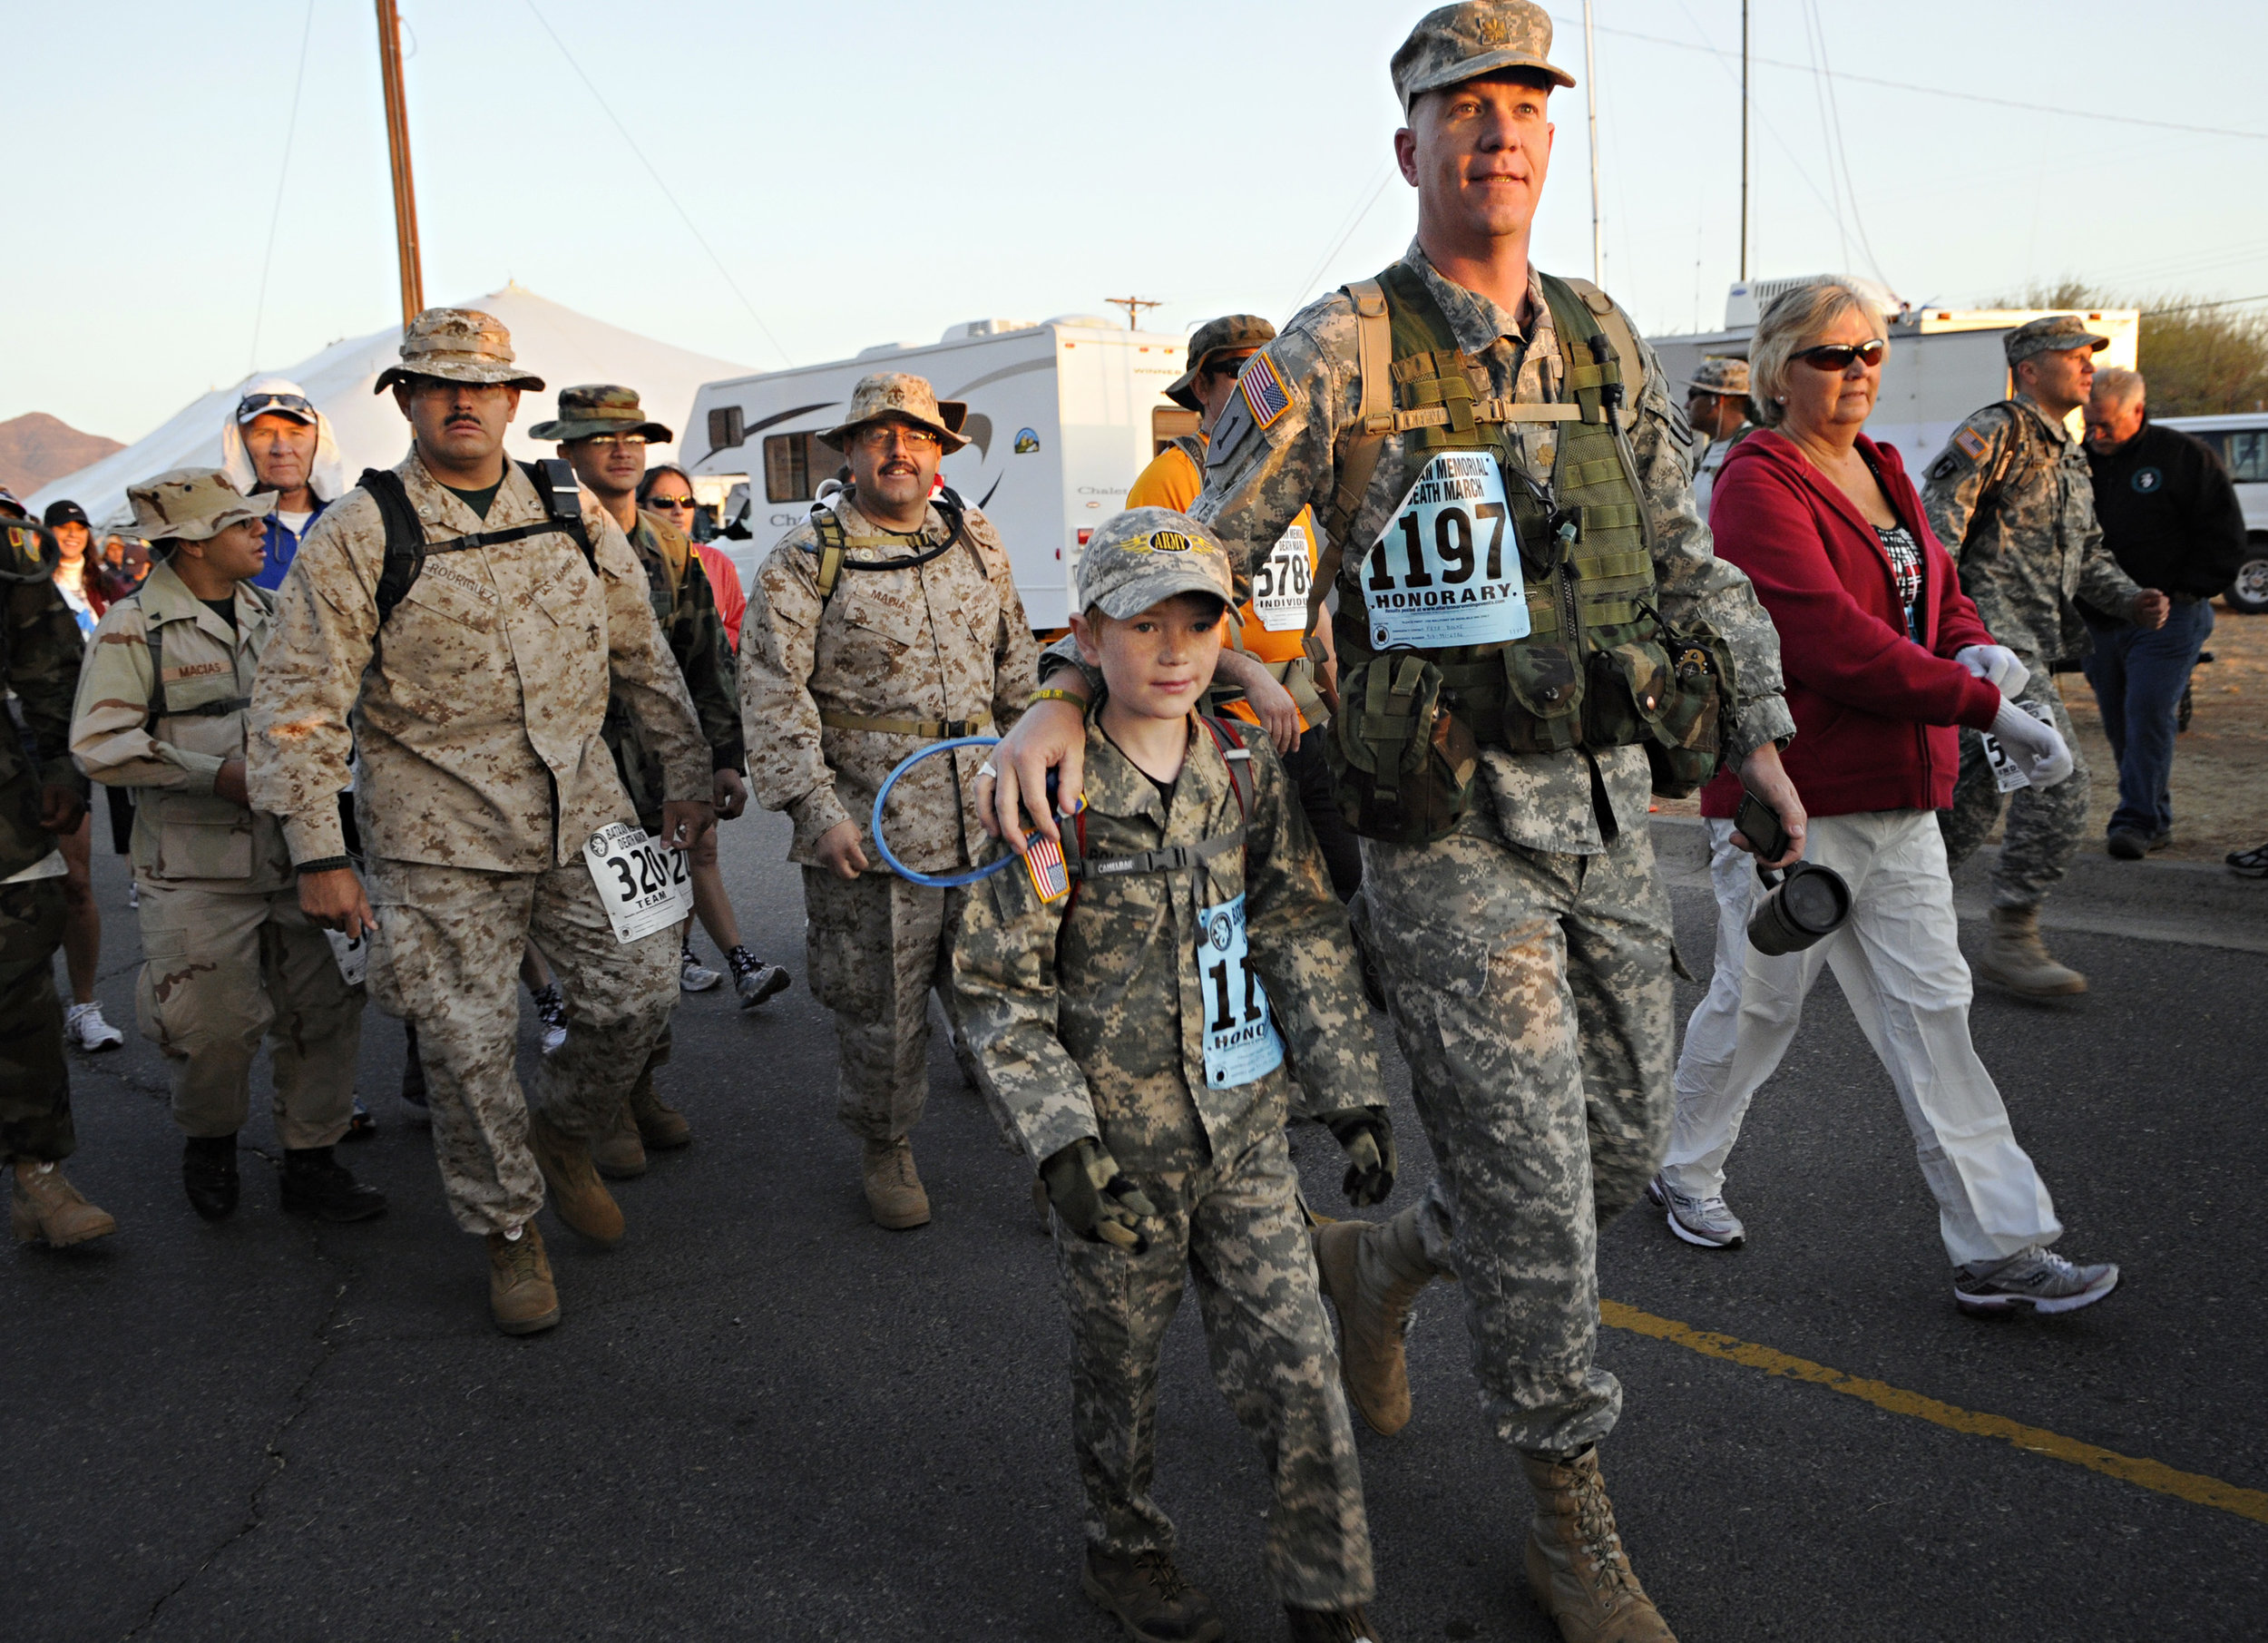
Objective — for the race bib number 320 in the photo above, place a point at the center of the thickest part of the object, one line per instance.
(1446, 569)
(644, 887)
(1241, 1043)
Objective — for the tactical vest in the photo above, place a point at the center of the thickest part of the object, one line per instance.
(1599, 667)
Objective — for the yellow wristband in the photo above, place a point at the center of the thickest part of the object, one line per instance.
(1071, 697)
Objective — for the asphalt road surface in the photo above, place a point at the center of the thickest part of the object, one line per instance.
(763, 1417)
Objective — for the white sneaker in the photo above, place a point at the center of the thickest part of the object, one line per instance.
(1708, 1222)
(2035, 1277)
(133, 893)
(84, 1025)
(693, 976)
(550, 1009)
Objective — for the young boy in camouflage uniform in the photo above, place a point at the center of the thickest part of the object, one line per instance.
(1126, 1036)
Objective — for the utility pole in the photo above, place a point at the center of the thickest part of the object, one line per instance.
(1590, 104)
(1134, 306)
(397, 150)
(1743, 139)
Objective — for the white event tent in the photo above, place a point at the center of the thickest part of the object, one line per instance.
(561, 347)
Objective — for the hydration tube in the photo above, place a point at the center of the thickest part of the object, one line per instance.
(937, 881)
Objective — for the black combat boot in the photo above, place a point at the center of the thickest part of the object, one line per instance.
(209, 1175)
(316, 1183)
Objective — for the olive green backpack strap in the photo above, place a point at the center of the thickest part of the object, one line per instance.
(1358, 457)
(832, 545)
(1620, 335)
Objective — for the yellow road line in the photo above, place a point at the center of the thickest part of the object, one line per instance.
(2150, 1474)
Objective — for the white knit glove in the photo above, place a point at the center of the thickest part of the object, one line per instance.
(1997, 663)
(2037, 748)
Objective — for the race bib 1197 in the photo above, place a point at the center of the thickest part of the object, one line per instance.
(1446, 569)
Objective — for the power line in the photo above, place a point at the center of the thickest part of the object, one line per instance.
(660, 182)
(275, 215)
(1385, 174)
(2196, 308)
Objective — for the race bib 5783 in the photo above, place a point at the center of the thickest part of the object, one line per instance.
(1445, 571)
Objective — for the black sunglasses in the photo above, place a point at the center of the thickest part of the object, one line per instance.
(669, 501)
(1838, 356)
(253, 405)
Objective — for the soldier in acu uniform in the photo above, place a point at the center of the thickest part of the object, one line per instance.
(2012, 499)
(43, 796)
(884, 623)
(1716, 405)
(1532, 632)
(459, 625)
(228, 955)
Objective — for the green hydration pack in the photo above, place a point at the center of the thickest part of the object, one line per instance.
(1599, 668)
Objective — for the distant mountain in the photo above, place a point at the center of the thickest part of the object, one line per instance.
(36, 448)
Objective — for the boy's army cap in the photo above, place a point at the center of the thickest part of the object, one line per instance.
(595, 408)
(1146, 555)
(458, 345)
(1230, 334)
(1460, 42)
(192, 504)
(2052, 335)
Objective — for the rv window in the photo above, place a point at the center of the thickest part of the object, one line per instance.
(1167, 423)
(787, 467)
(2247, 453)
(724, 427)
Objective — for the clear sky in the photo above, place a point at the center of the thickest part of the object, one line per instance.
(879, 170)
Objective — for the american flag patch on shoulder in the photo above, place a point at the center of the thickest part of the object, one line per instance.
(1971, 444)
(1264, 391)
(1044, 862)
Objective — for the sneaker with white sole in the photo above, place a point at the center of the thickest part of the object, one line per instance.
(550, 1009)
(754, 980)
(1708, 1222)
(2035, 1277)
(693, 976)
(84, 1025)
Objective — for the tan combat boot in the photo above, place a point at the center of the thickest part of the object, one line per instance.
(1373, 1272)
(620, 1153)
(1576, 1564)
(522, 1297)
(577, 1195)
(2015, 958)
(894, 1192)
(661, 1125)
(44, 1204)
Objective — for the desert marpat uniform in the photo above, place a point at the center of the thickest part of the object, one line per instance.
(476, 732)
(1526, 956)
(936, 651)
(1093, 1025)
(40, 652)
(2013, 499)
(685, 605)
(227, 956)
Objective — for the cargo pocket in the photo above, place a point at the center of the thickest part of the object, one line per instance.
(1544, 698)
(1687, 743)
(193, 846)
(1401, 762)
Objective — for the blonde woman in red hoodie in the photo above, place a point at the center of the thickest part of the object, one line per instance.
(1884, 656)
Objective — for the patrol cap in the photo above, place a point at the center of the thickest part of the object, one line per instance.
(1230, 334)
(1145, 555)
(1460, 42)
(457, 344)
(192, 504)
(1720, 376)
(598, 407)
(2052, 335)
(897, 396)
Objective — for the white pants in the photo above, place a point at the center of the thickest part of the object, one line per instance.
(1898, 960)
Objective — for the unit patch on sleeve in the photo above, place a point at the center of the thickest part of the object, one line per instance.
(1264, 391)
(1971, 443)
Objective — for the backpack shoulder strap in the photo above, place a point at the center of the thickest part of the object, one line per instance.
(1616, 326)
(828, 527)
(404, 538)
(1237, 756)
(562, 498)
(1365, 438)
(153, 638)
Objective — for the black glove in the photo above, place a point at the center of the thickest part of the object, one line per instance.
(1095, 1197)
(1367, 1136)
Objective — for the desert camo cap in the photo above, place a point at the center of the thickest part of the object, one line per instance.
(458, 345)
(1144, 555)
(1720, 376)
(192, 504)
(2052, 335)
(1231, 333)
(598, 407)
(1460, 42)
(897, 396)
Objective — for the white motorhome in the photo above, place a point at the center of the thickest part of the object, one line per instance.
(1063, 414)
(1943, 363)
(2241, 441)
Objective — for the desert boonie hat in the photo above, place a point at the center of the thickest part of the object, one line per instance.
(192, 504)
(598, 407)
(1460, 42)
(2052, 335)
(1144, 555)
(895, 397)
(1230, 334)
(458, 345)
(1720, 376)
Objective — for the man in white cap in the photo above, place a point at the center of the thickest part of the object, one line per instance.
(456, 625)
(277, 441)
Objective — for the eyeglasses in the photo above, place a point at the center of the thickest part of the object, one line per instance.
(878, 436)
(1838, 356)
(295, 404)
(620, 441)
(671, 503)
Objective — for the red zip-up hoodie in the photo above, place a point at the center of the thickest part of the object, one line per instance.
(1875, 711)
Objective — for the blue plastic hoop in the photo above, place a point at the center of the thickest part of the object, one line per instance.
(936, 881)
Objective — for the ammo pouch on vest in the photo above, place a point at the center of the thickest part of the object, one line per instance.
(1402, 765)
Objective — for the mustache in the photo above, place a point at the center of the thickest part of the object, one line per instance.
(897, 465)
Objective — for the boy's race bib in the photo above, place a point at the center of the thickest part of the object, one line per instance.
(1241, 1043)
(1445, 571)
(643, 886)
